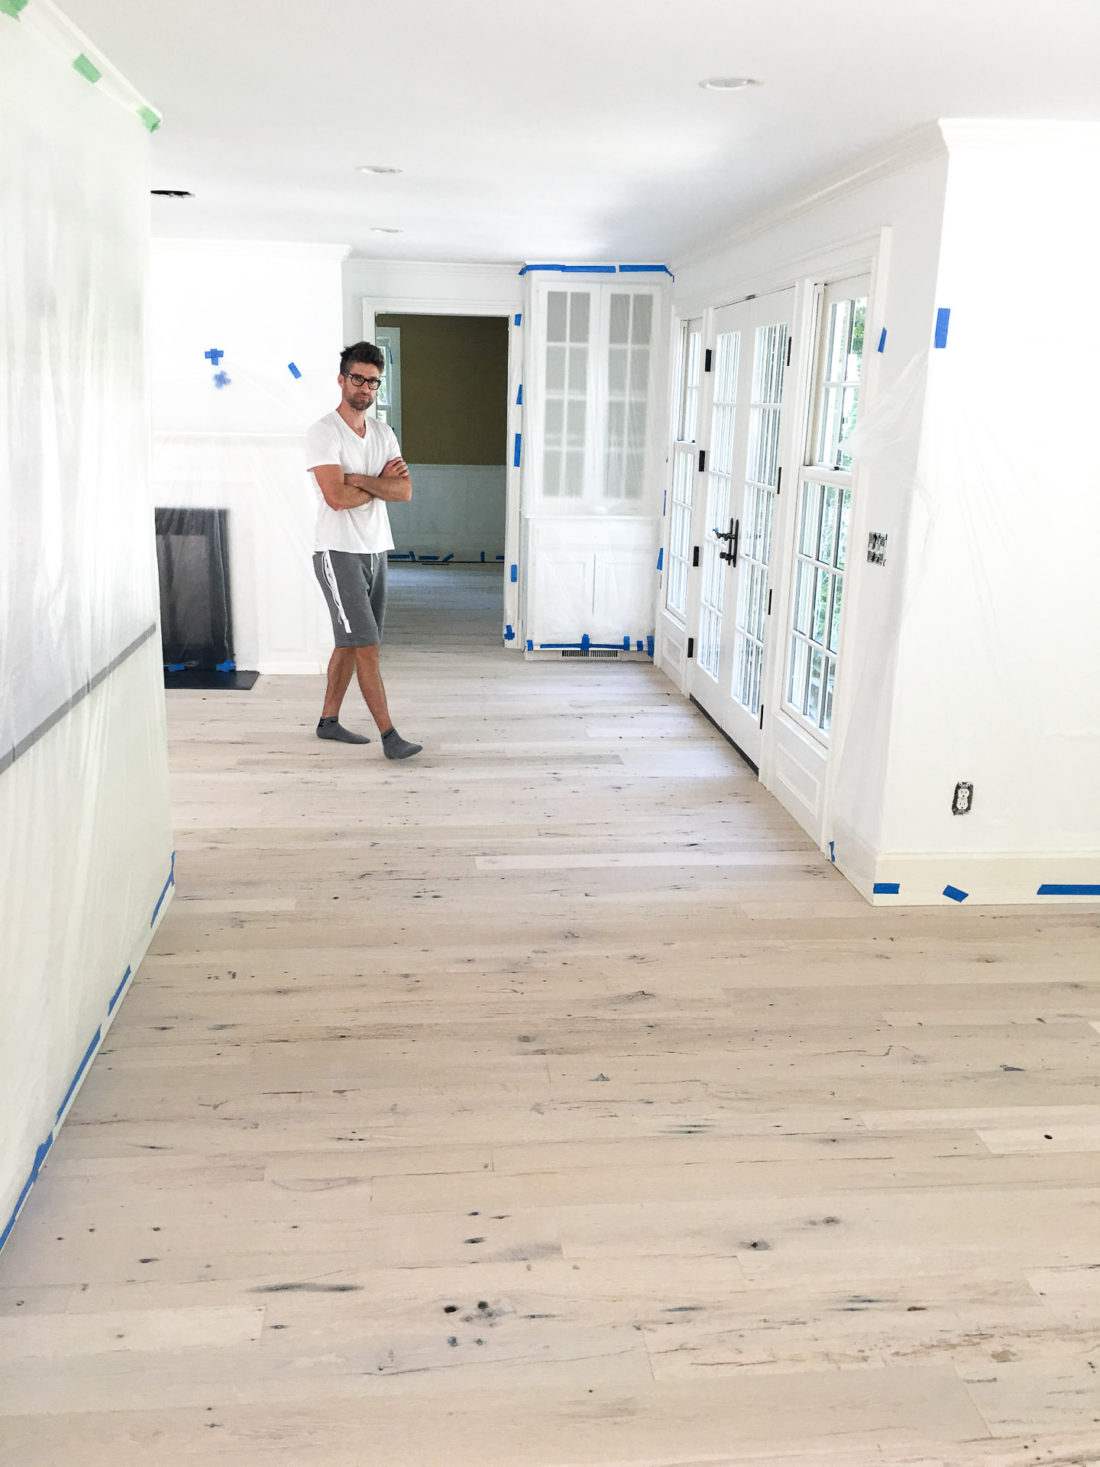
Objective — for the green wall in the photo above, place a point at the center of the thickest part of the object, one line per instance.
(454, 386)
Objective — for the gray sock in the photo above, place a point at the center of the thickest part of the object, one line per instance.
(332, 728)
(395, 747)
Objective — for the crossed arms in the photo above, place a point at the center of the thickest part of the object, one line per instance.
(347, 491)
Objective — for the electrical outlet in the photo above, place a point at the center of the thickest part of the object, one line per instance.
(963, 798)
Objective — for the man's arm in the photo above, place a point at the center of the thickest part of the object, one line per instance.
(393, 484)
(336, 493)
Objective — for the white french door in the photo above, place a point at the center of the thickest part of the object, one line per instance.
(734, 532)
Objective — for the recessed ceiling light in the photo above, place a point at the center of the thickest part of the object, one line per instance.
(376, 168)
(728, 83)
(385, 229)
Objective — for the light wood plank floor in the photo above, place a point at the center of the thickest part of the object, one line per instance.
(549, 1100)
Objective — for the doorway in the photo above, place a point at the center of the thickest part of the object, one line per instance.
(448, 389)
(733, 520)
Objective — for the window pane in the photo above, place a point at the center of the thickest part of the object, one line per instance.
(803, 598)
(557, 303)
(578, 316)
(827, 540)
(643, 319)
(555, 368)
(619, 329)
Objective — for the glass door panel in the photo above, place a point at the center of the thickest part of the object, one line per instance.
(743, 479)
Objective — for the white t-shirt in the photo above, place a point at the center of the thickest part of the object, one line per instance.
(366, 528)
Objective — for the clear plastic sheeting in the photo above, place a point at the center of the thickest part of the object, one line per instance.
(84, 815)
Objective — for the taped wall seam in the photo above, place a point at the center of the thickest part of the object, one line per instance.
(43, 1150)
(19, 749)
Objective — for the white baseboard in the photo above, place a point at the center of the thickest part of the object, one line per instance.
(951, 879)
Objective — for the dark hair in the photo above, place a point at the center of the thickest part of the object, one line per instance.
(363, 351)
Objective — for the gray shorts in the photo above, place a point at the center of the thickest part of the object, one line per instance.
(355, 590)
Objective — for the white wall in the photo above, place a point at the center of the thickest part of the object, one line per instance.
(965, 656)
(997, 659)
(884, 216)
(239, 446)
(456, 509)
(85, 840)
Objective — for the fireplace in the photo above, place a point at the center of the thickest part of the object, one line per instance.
(195, 610)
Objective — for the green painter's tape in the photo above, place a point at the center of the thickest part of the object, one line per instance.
(87, 68)
(150, 118)
(13, 7)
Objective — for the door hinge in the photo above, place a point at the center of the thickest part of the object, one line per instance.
(789, 340)
(761, 715)
(779, 479)
(769, 602)
(694, 557)
(706, 360)
(702, 459)
(691, 647)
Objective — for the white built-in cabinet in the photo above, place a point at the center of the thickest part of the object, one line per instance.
(592, 459)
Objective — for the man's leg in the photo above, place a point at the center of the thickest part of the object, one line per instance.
(340, 667)
(371, 686)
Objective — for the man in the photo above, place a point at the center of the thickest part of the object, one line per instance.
(356, 464)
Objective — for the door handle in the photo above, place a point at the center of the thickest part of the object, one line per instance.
(732, 536)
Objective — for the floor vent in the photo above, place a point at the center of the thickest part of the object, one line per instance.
(590, 652)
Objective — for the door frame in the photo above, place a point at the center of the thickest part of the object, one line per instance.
(373, 306)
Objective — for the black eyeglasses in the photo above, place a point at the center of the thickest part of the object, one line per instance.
(357, 381)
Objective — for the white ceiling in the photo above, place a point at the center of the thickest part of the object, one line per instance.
(572, 132)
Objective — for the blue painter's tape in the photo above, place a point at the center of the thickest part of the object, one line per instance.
(585, 643)
(886, 888)
(500, 557)
(530, 645)
(513, 574)
(227, 666)
(1051, 888)
(403, 555)
(641, 645)
(447, 558)
(955, 894)
(664, 505)
(661, 558)
(832, 851)
(649, 645)
(519, 396)
(118, 991)
(175, 667)
(626, 644)
(509, 634)
(882, 340)
(516, 451)
(39, 1157)
(943, 320)
(293, 370)
(222, 379)
(646, 270)
(519, 318)
(572, 269)
(214, 355)
(84, 1063)
(483, 557)
(170, 882)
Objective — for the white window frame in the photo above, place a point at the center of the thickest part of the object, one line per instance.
(843, 480)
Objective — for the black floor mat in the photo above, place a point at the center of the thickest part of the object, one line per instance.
(195, 677)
